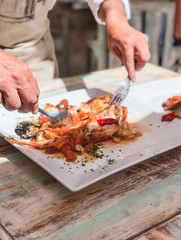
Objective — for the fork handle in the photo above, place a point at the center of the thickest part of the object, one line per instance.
(43, 112)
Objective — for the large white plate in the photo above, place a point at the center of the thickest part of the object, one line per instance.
(144, 106)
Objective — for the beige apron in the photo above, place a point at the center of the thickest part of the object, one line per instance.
(25, 33)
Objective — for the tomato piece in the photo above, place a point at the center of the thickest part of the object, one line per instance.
(60, 131)
(79, 139)
(168, 117)
(58, 144)
(63, 104)
(82, 115)
(86, 140)
(92, 116)
(171, 101)
(44, 119)
(125, 113)
(89, 147)
(70, 155)
(76, 119)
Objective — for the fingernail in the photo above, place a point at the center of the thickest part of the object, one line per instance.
(133, 79)
(35, 111)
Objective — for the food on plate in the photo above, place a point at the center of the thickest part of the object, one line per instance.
(173, 106)
(93, 121)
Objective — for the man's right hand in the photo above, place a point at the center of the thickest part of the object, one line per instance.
(18, 88)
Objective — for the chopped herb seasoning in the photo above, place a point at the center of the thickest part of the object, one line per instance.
(95, 153)
(111, 161)
(117, 116)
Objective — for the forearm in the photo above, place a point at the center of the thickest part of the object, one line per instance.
(95, 7)
(123, 41)
(111, 8)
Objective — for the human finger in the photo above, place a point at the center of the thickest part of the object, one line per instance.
(117, 52)
(142, 55)
(36, 87)
(24, 109)
(0, 97)
(129, 62)
(139, 64)
(11, 100)
(35, 108)
(31, 80)
(29, 99)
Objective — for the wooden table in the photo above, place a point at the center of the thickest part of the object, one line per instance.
(141, 202)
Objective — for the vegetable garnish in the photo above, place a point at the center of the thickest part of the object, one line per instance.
(168, 117)
(107, 121)
(173, 107)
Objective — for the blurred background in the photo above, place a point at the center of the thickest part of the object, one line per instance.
(80, 43)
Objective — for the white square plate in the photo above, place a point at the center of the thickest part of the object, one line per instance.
(144, 107)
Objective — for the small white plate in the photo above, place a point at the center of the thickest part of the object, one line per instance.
(144, 107)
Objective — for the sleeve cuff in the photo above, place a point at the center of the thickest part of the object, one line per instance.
(95, 5)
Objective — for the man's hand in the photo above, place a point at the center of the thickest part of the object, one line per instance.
(18, 88)
(126, 43)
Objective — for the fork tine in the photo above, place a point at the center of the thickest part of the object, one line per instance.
(114, 99)
(118, 100)
(118, 97)
(121, 92)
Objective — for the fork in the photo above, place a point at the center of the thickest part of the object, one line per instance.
(59, 116)
(121, 92)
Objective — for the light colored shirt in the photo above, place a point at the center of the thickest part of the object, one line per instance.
(95, 4)
(25, 33)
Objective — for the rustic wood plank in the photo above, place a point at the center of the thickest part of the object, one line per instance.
(4, 235)
(42, 207)
(171, 230)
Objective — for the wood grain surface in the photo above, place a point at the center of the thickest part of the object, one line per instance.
(141, 202)
(168, 230)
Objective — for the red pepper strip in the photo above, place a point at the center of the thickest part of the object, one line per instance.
(107, 121)
(168, 117)
(90, 100)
